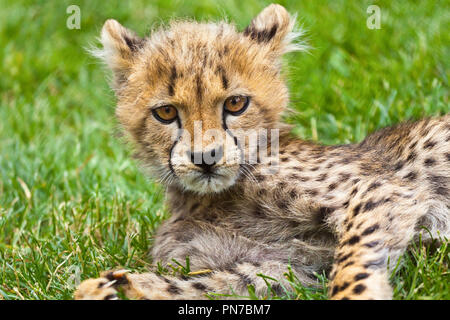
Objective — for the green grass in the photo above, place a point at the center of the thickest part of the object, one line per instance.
(73, 201)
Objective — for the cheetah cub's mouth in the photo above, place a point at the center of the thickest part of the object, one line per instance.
(210, 171)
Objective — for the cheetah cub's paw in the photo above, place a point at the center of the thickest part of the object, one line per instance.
(103, 288)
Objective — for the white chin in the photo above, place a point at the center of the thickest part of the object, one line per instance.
(205, 185)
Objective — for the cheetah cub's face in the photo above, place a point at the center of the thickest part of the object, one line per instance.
(189, 93)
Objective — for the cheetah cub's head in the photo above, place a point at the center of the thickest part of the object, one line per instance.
(190, 93)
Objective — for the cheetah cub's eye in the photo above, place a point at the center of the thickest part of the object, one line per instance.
(165, 114)
(236, 105)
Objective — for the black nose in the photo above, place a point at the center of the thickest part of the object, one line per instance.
(206, 160)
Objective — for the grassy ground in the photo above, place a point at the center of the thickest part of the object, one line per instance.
(73, 202)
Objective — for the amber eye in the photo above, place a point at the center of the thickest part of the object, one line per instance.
(236, 105)
(165, 114)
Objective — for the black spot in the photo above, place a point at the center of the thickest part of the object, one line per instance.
(373, 186)
(168, 281)
(346, 204)
(261, 35)
(447, 155)
(344, 286)
(342, 259)
(134, 44)
(223, 76)
(312, 192)
(199, 286)
(260, 177)
(322, 214)
(315, 168)
(183, 236)
(371, 244)
(283, 205)
(361, 276)
(412, 156)
(195, 206)
(370, 205)
(284, 159)
(173, 289)
(344, 177)
(348, 264)
(377, 263)
(411, 176)
(224, 81)
(256, 264)
(370, 230)
(353, 240)
(262, 192)
(182, 218)
(199, 83)
(429, 144)
(334, 290)
(258, 211)
(399, 165)
(322, 177)
(173, 77)
(245, 279)
(332, 186)
(281, 185)
(429, 162)
(356, 210)
(110, 297)
(359, 288)
(293, 193)
(350, 225)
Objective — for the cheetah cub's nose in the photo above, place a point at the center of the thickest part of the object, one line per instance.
(206, 160)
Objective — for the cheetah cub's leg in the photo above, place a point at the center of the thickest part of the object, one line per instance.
(375, 233)
(234, 263)
(150, 286)
(145, 286)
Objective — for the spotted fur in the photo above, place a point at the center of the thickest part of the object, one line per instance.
(350, 209)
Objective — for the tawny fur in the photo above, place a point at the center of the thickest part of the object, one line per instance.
(352, 209)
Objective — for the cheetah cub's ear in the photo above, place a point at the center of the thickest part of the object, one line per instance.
(120, 47)
(274, 26)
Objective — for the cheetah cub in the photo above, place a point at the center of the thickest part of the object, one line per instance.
(350, 210)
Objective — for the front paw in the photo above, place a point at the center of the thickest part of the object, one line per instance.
(103, 288)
